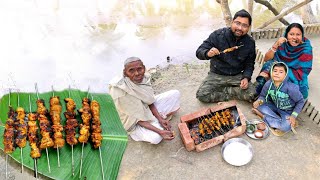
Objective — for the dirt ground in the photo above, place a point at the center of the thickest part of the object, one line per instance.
(288, 157)
(294, 156)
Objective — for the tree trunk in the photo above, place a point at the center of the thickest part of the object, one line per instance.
(250, 10)
(225, 11)
(250, 6)
(307, 15)
(272, 9)
(284, 13)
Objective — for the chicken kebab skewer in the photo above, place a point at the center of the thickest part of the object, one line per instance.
(8, 135)
(55, 112)
(33, 138)
(96, 136)
(45, 127)
(21, 130)
(85, 113)
(71, 125)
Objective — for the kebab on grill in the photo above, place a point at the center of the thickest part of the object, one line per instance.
(21, 128)
(96, 124)
(86, 117)
(8, 135)
(230, 117)
(55, 111)
(45, 126)
(33, 136)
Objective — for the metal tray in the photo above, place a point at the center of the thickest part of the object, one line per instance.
(266, 132)
(237, 151)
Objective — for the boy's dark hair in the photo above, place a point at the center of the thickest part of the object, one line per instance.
(281, 65)
(296, 25)
(243, 13)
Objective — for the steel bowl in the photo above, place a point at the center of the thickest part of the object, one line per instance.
(250, 128)
(237, 151)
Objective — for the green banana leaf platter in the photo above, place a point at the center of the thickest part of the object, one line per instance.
(112, 149)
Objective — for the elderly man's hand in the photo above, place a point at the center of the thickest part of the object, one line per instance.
(165, 124)
(167, 135)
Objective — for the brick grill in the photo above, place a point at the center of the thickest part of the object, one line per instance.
(187, 121)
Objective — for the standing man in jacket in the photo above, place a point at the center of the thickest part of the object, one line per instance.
(230, 69)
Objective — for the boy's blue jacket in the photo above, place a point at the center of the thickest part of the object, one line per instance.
(287, 97)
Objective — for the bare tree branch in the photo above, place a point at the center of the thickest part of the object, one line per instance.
(272, 9)
(284, 13)
(307, 15)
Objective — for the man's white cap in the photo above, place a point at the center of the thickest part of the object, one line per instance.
(131, 59)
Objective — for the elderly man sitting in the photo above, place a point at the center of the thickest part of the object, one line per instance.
(143, 114)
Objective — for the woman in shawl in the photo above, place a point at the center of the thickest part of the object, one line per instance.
(295, 51)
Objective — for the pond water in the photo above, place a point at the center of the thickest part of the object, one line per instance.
(84, 43)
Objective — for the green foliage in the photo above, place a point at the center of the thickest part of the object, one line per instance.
(113, 144)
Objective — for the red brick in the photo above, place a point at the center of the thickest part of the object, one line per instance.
(186, 137)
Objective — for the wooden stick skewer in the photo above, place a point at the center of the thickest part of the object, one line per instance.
(35, 167)
(57, 146)
(48, 160)
(72, 160)
(6, 166)
(81, 159)
(100, 154)
(6, 153)
(21, 151)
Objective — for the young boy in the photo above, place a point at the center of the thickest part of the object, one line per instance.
(280, 101)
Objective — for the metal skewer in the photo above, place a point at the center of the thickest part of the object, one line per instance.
(57, 145)
(100, 154)
(35, 168)
(21, 149)
(48, 160)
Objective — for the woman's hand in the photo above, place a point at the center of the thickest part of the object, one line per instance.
(278, 43)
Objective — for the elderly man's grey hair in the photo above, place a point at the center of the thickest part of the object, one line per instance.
(131, 59)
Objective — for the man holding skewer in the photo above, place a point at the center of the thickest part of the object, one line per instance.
(143, 115)
(231, 52)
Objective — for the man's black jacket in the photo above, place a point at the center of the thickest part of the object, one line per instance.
(239, 61)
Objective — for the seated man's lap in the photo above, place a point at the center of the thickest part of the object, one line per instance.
(167, 102)
(222, 88)
(142, 134)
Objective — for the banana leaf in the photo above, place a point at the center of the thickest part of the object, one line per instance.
(113, 144)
